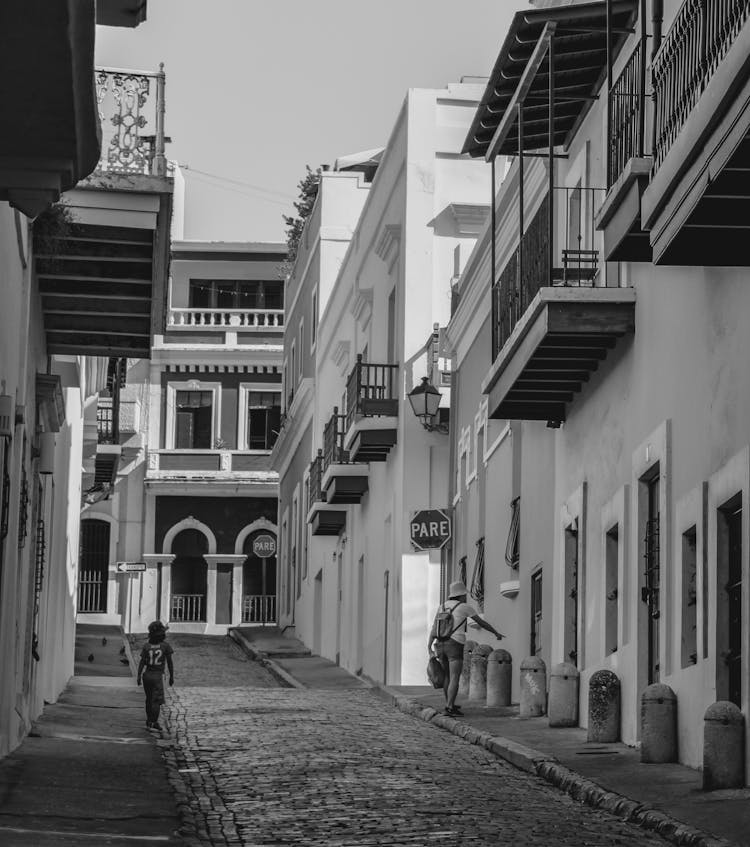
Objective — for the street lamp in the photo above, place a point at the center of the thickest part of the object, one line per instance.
(425, 401)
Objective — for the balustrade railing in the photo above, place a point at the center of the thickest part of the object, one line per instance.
(316, 480)
(227, 318)
(259, 608)
(333, 440)
(575, 263)
(626, 115)
(699, 38)
(371, 390)
(187, 608)
(131, 110)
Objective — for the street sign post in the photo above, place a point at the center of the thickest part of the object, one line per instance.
(264, 546)
(430, 529)
(130, 567)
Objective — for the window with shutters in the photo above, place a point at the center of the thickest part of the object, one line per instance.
(193, 420)
(260, 416)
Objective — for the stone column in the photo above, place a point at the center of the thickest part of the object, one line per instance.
(161, 604)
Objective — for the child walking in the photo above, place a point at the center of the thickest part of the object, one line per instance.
(155, 654)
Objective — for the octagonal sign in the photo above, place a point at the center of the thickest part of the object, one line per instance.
(264, 545)
(430, 529)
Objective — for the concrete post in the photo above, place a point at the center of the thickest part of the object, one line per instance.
(533, 687)
(499, 678)
(658, 724)
(604, 708)
(478, 673)
(463, 684)
(723, 747)
(563, 695)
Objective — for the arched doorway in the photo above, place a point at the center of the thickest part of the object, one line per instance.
(258, 583)
(93, 567)
(189, 577)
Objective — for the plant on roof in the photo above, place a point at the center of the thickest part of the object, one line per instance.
(308, 191)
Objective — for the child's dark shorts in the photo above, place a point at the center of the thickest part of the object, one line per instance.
(153, 686)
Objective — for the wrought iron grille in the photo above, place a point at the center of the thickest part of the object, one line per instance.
(476, 589)
(131, 112)
(512, 546)
(105, 430)
(626, 115)
(39, 558)
(371, 390)
(333, 440)
(699, 38)
(23, 509)
(5, 494)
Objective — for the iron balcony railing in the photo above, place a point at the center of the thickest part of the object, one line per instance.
(131, 111)
(698, 40)
(106, 423)
(259, 608)
(187, 608)
(316, 480)
(576, 261)
(333, 440)
(371, 390)
(627, 115)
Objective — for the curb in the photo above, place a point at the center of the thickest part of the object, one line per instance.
(548, 768)
(282, 676)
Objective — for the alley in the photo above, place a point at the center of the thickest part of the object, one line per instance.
(257, 764)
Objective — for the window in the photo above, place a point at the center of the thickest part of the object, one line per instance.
(236, 294)
(729, 601)
(263, 419)
(193, 419)
(301, 347)
(314, 320)
(689, 617)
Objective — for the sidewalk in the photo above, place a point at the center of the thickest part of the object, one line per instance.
(89, 773)
(665, 798)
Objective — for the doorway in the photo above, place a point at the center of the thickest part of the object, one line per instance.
(317, 612)
(93, 565)
(189, 577)
(536, 613)
(729, 606)
(650, 593)
(570, 634)
(258, 585)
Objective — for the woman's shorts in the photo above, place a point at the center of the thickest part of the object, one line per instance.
(450, 650)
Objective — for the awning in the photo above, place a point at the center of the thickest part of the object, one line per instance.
(579, 39)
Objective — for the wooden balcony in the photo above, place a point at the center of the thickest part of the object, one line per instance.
(342, 481)
(372, 394)
(324, 519)
(697, 204)
(551, 327)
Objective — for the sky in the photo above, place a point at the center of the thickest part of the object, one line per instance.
(258, 89)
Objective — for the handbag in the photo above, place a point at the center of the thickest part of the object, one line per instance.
(435, 672)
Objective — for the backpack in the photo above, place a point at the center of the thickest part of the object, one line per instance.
(445, 624)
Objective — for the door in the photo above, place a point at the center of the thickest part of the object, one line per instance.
(570, 646)
(651, 589)
(536, 613)
(93, 566)
(224, 593)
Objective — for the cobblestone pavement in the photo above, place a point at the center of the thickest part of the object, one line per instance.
(254, 764)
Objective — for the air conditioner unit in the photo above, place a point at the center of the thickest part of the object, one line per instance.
(7, 416)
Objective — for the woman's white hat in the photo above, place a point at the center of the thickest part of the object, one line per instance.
(457, 589)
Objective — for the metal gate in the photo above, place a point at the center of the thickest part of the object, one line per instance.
(93, 562)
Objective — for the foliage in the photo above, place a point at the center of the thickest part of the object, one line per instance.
(308, 191)
(51, 228)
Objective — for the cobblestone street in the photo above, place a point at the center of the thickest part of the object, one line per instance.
(255, 764)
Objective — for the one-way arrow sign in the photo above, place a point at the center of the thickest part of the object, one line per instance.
(130, 567)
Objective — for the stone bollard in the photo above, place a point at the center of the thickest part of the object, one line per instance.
(533, 687)
(563, 695)
(723, 747)
(463, 683)
(499, 678)
(658, 724)
(604, 708)
(478, 673)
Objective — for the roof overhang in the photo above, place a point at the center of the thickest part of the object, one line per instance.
(578, 37)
